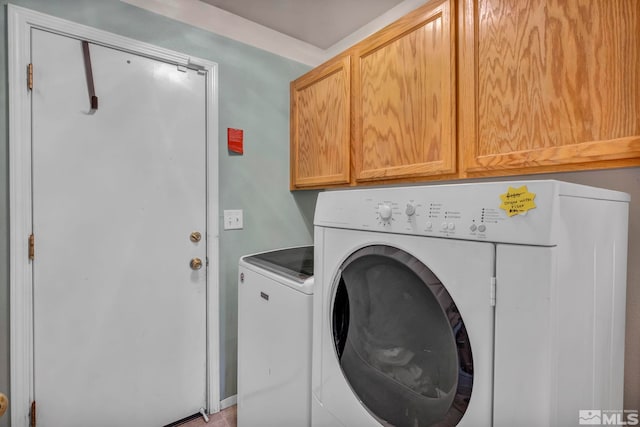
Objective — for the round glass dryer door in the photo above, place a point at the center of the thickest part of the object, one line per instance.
(400, 340)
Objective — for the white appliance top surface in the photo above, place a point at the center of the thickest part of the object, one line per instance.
(519, 212)
(292, 267)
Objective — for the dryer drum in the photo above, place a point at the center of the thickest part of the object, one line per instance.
(400, 340)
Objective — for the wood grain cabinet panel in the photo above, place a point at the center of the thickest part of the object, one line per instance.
(321, 126)
(404, 97)
(549, 84)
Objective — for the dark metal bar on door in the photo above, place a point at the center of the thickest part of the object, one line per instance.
(93, 99)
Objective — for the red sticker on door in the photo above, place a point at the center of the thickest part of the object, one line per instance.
(234, 140)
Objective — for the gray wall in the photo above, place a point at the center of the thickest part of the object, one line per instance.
(254, 96)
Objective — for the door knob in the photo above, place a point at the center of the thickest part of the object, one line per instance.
(196, 264)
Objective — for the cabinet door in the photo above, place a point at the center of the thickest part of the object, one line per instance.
(404, 97)
(549, 85)
(320, 126)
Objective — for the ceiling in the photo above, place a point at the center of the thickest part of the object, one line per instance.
(321, 23)
(305, 31)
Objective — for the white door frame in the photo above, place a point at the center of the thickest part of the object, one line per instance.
(20, 23)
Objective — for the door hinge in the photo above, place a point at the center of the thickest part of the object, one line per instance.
(30, 76)
(32, 247)
(492, 292)
(32, 414)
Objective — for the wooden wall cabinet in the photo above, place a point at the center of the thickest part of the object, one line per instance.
(382, 111)
(548, 85)
(321, 126)
(404, 98)
(469, 88)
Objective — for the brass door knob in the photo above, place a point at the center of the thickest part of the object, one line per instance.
(4, 404)
(195, 236)
(196, 264)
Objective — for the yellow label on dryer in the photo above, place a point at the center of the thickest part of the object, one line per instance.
(517, 201)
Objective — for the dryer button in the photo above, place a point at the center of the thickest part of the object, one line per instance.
(473, 227)
(482, 228)
(444, 226)
(451, 226)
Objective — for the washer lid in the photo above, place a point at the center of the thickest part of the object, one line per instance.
(293, 263)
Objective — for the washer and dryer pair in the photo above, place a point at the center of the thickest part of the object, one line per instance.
(484, 304)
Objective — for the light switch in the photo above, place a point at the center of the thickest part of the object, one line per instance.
(233, 219)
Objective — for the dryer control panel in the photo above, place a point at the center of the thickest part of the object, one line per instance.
(492, 212)
(437, 217)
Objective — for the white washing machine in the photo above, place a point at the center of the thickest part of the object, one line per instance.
(275, 299)
(485, 304)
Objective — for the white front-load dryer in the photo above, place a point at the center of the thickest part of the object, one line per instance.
(419, 323)
(477, 305)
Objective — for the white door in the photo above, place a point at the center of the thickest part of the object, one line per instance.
(119, 314)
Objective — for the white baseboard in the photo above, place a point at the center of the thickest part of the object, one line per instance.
(229, 401)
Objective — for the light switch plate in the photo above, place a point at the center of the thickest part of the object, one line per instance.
(233, 219)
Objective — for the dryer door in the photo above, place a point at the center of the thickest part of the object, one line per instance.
(400, 339)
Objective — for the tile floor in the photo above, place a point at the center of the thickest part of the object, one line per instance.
(224, 418)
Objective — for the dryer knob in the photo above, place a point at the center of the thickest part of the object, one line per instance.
(385, 212)
(411, 209)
